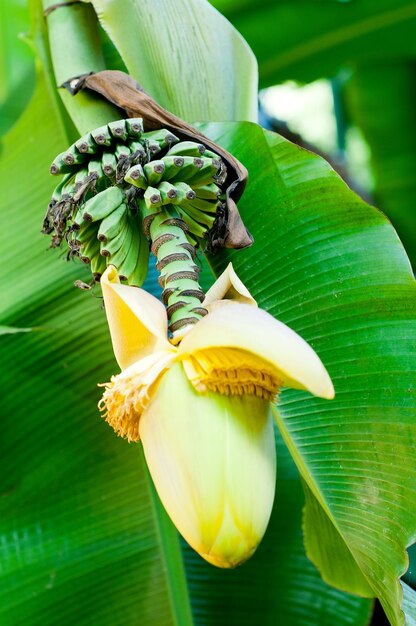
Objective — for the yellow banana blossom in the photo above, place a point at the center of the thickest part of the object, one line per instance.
(202, 409)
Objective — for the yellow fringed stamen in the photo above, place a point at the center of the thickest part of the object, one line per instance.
(231, 372)
(128, 394)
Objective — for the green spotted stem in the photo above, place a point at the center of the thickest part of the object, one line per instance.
(179, 274)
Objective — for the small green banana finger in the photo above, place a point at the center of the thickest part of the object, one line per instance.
(72, 156)
(134, 126)
(80, 177)
(95, 167)
(198, 216)
(102, 136)
(139, 273)
(167, 192)
(173, 166)
(109, 163)
(111, 225)
(86, 232)
(68, 188)
(117, 257)
(122, 151)
(152, 198)
(98, 266)
(136, 149)
(59, 166)
(151, 146)
(86, 144)
(187, 148)
(206, 172)
(191, 167)
(118, 130)
(57, 192)
(154, 171)
(89, 249)
(207, 192)
(195, 228)
(110, 247)
(135, 176)
(208, 206)
(183, 193)
(129, 263)
(102, 204)
(164, 138)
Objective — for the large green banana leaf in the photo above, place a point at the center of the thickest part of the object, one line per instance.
(309, 39)
(189, 57)
(334, 269)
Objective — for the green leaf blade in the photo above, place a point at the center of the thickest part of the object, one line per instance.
(333, 269)
(186, 55)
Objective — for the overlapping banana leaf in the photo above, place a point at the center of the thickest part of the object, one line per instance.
(334, 269)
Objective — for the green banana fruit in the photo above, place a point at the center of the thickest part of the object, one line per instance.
(110, 247)
(59, 166)
(139, 273)
(154, 171)
(151, 146)
(134, 126)
(152, 198)
(112, 224)
(102, 204)
(109, 163)
(197, 215)
(164, 138)
(208, 206)
(183, 193)
(187, 148)
(95, 167)
(136, 149)
(208, 192)
(128, 265)
(86, 144)
(89, 249)
(102, 136)
(68, 188)
(135, 176)
(117, 257)
(167, 192)
(194, 227)
(57, 192)
(72, 156)
(86, 232)
(98, 266)
(118, 129)
(205, 174)
(80, 177)
(122, 151)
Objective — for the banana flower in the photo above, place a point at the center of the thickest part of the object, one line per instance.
(202, 409)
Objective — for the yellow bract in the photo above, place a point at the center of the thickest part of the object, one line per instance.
(202, 408)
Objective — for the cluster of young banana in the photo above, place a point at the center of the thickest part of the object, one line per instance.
(117, 178)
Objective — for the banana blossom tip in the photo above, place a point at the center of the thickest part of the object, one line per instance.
(202, 409)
